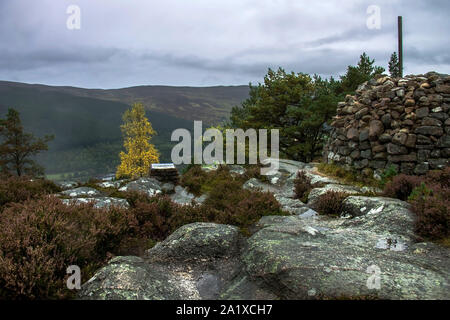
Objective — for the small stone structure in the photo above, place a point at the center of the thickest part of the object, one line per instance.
(394, 122)
(165, 172)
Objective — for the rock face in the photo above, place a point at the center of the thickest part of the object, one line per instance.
(198, 242)
(184, 197)
(149, 185)
(370, 252)
(288, 258)
(196, 262)
(390, 121)
(100, 202)
(81, 192)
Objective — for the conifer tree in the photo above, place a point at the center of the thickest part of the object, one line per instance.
(18, 148)
(356, 75)
(394, 66)
(140, 153)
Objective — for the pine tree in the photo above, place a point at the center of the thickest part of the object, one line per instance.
(140, 153)
(356, 75)
(394, 66)
(18, 148)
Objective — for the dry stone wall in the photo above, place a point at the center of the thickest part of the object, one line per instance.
(403, 123)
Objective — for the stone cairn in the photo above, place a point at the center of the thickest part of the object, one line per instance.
(165, 172)
(394, 122)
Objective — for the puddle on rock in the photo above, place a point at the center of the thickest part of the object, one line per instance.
(390, 244)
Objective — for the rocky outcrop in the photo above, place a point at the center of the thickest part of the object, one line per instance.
(369, 252)
(151, 186)
(81, 192)
(288, 258)
(184, 197)
(195, 262)
(402, 123)
(99, 202)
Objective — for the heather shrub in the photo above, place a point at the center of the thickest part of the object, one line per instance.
(349, 176)
(153, 216)
(157, 217)
(17, 189)
(431, 203)
(429, 197)
(40, 238)
(240, 207)
(330, 203)
(254, 171)
(401, 186)
(198, 181)
(302, 185)
(441, 177)
(193, 179)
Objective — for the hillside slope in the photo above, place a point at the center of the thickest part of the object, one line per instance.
(210, 104)
(86, 122)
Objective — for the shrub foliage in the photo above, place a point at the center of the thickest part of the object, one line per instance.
(40, 236)
(302, 185)
(429, 196)
(330, 203)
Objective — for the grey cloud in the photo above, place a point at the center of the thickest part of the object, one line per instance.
(205, 43)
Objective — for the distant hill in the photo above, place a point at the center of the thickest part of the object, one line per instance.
(86, 122)
(210, 104)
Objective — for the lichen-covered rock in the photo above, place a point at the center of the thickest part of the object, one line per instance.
(198, 261)
(81, 192)
(151, 186)
(317, 192)
(314, 259)
(355, 206)
(66, 185)
(100, 203)
(370, 252)
(198, 241)
(256, 185)
(184, 197)
(293, 206)
(132, 278)
(111, 184)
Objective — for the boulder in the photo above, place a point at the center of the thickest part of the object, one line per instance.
(198, 261)
(293, 206)
(81, 192)
(370, 252)
(132, 278)
(184, 197)
(100, 203)
(66, 185)
(111, 184)
(317, 192)
(151, 186)
(313, 259)
(256, 185)
(197, 242)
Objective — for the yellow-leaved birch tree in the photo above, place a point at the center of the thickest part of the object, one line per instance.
(140, 153)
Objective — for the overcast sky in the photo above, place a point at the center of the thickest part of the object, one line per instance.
(124, 43)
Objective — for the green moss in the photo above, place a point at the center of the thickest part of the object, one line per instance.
(351, 177)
